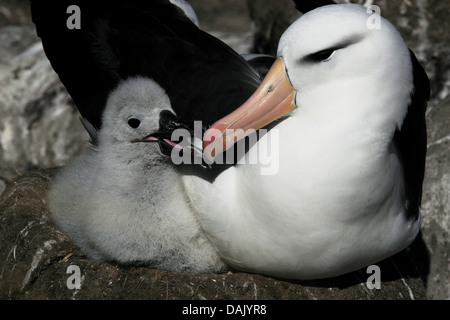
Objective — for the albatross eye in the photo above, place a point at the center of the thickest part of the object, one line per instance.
(134, 122)
(323, 55)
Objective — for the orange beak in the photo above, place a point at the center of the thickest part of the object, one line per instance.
(274, 98)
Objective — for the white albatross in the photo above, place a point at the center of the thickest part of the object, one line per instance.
(346, 194)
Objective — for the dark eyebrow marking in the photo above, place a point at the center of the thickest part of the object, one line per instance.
(320, 55)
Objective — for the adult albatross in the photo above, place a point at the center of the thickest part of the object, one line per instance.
(351, 153)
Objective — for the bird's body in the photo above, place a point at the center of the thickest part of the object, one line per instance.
(123, 201)
(339, 200)
(331, 207)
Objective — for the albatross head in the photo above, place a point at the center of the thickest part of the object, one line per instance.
(332, 62)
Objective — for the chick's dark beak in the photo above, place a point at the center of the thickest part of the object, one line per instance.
(167, 138)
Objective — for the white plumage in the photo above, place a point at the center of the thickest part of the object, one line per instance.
(337, 203)
(123, 201)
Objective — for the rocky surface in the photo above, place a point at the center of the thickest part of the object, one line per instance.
(39, 128)
(39, 125)
(270, 19)
(14, 12)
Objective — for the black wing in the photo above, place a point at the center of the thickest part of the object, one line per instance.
(307, 5)
(203, 77)
(411, 140)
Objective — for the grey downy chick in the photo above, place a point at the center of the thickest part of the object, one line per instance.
(122, 200)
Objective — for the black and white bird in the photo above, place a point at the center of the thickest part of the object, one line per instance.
(351, 153)
(122, 200)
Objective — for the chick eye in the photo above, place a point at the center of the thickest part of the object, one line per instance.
(134, 122)
(322, 56)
